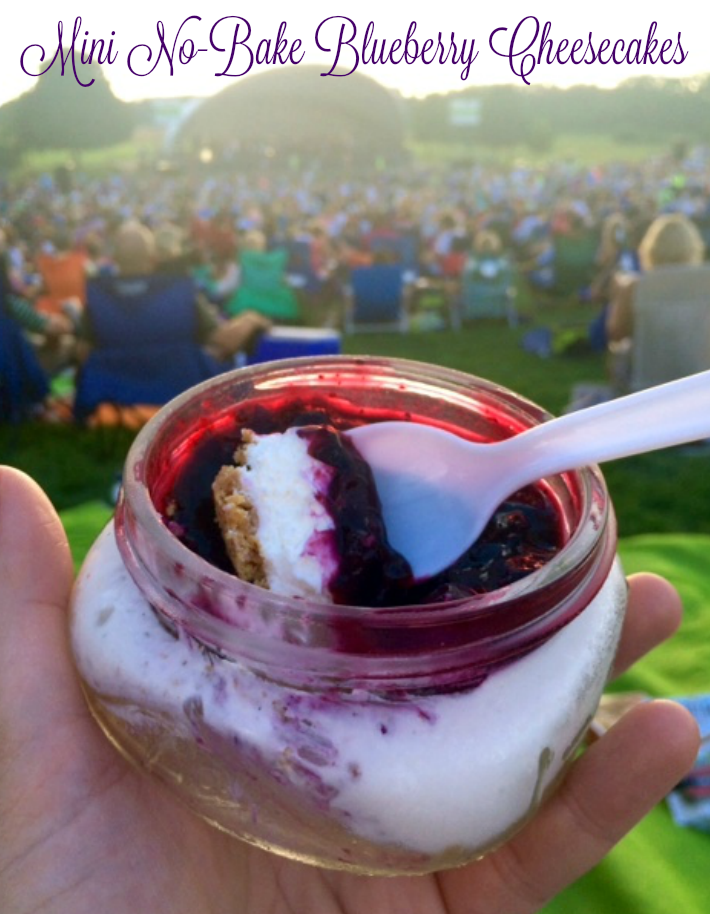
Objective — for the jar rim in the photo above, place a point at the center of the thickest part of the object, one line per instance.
(587, 553)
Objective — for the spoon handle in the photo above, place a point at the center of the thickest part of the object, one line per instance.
(657, 417)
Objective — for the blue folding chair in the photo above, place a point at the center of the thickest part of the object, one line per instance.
(23, 382)
(378, 299)
(145, 348)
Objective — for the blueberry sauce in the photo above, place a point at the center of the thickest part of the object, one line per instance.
(523, 535)
(370, 572)
(183, 488)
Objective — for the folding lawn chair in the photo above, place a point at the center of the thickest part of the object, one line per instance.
(263, 286)
(144, 343)
(378, 299)
(671, 326)
(23, 382)
(488, 291)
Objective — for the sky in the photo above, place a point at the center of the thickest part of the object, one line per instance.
(494, 42)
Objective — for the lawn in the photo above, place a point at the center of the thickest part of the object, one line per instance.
(656, 493)
(582, 149)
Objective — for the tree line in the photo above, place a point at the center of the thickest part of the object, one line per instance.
(58, 114)
(643, 109)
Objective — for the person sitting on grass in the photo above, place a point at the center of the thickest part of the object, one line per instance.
(50, 334)
(671, 240)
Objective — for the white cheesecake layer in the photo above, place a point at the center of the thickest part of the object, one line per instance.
(286, 488)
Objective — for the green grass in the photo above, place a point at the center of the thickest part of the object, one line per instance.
(83, 524)
(583, 149)
(144, 147)
(493, 352)
(73, 465)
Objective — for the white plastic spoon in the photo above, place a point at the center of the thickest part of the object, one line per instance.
(438, 491)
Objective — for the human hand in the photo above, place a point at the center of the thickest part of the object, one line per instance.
(238, 333)
(58, 325)
(258, 323)
(82, 831)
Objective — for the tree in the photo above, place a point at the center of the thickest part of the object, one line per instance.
(59, 113)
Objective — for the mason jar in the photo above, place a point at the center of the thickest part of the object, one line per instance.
(387, 740)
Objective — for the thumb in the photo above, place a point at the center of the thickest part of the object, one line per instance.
(37, 679)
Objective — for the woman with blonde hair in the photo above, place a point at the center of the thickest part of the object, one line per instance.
(671, 240)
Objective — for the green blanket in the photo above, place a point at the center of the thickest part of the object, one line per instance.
(659, 868)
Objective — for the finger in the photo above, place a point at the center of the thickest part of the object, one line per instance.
(607, 792)
(654, 613)
(36, 674)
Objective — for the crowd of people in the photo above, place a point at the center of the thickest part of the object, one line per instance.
(562, 228)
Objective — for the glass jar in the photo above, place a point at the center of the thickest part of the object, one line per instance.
(390, 740)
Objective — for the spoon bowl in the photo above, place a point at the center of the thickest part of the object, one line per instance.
(438, 491)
